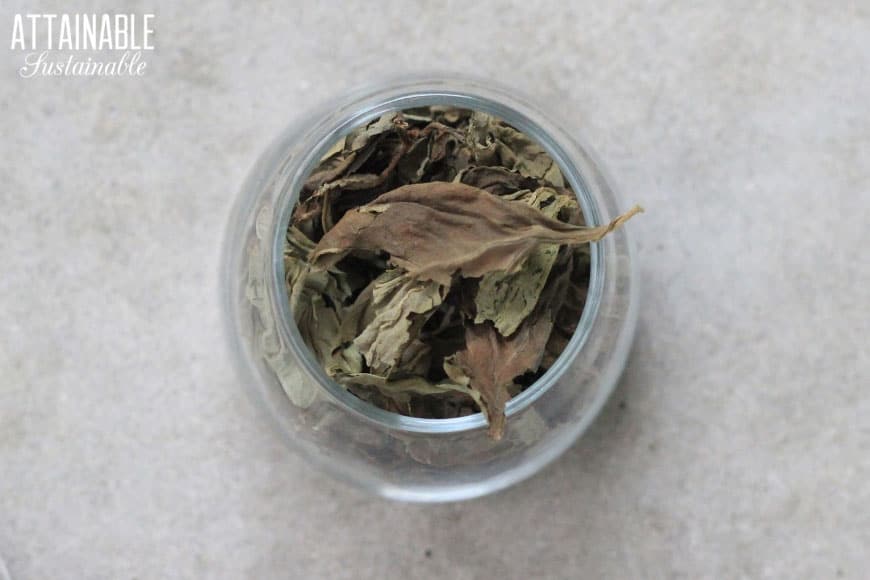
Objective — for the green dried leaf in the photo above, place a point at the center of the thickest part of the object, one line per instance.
(413, 396)
(569, 305)
(497, 143)
(507, 299)
(386, 123)
(398, 387)
(401, 306)
(315, 300)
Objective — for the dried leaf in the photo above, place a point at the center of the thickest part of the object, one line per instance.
(338, 170)
(569, 306)
(414, 396)
(490, 363)
(497, 143)
(393, 388)
(315, 301)
(508, 298)
(435, 230)
(497, 180)
(352, 150)
(431, 145)
(401, 306)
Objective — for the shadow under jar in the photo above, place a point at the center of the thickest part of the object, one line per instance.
(393, 455)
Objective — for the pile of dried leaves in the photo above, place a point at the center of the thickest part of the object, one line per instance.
(437, 263)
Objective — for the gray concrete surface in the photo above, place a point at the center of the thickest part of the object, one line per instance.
(738, 443)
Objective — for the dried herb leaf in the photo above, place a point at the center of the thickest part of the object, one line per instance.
(490, 363)
(397, 387)
(315, 300)
(499, 144)
(434, 230)
(339, 170)
(497, 180)
(400, 305)
(507, 298)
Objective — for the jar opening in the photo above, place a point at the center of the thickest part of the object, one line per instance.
(320, 139)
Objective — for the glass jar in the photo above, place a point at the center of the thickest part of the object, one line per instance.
(396, 456)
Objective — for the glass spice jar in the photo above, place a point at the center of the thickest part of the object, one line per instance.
(392, 455)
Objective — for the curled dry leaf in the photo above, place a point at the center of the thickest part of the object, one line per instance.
(401, 306)
(340, 169)
(435, 230)
(496, 143)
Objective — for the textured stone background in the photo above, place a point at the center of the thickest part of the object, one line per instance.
(738, 443)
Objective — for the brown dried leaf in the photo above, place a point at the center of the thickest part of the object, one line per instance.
(490, 362)
(497, 180)
(431, 144)
(435, 230)
(337, 171)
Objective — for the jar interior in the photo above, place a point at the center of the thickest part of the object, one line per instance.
(288, 200)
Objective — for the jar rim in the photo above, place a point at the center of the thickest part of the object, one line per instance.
(401, 96)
